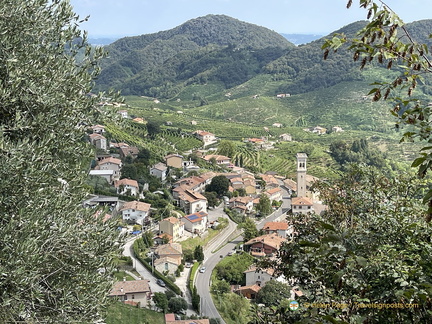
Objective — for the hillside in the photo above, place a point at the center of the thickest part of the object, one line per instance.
(130, 56)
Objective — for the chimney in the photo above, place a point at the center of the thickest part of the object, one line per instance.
(121, 289)
(124, 278)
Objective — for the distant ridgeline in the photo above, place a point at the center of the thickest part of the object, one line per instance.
(227, 53)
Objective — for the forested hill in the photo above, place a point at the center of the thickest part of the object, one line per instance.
(132, 55)
(217, 49)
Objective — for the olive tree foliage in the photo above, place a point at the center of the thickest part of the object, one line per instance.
(55, 256)
(385, 40)
(372, 248)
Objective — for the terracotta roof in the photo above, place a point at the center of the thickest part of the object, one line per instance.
(191, 196)
(167, 259)
(126, 182)
(95, 136)
(121, 288)
(301, 201)
(269, 271)
(253, 287)
(169, 317)
(217, 157)
(169, 249)
(137, 205)
(290, 184)
(173, 155)
(130, 150)
(273, 190)
(172, 220)
(196, 217)
(110, 160)
(160, 166)
(274, 226)
(272, 240)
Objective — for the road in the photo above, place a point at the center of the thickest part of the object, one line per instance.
(202, 280)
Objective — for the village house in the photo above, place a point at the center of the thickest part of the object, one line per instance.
(279, 125)
(111, 163)
(129, 151)
(274, 194)
(174, 161)
(118, 145)
(98, 129)
(319, 130)
(159, 170)
(337, 129)
(93, 201)
(139, 120)
(173, 227)
(127, 187)
(194, 183)
(135, 212)
(191, 201)
(168, 257)
(248, 291)
(270, 181)
(106, 174)
(220, 159)
(285, 137)
(206, 137)
(241, 204)
(290, 185)
(265, 245)
(99, 141)
(279, 228)
(302, 205)
(136, 291)
(196, 222)
(255, 276)
(123, 113)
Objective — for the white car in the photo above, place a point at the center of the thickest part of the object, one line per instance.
(202, 270)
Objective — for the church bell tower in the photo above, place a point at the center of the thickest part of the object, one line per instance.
(301, 174)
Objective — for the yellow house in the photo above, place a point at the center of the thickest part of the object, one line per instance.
(172, 226)
(174, 160)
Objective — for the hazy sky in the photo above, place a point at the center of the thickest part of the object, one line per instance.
(137, 17)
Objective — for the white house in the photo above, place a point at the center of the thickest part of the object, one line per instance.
(302, 205)
(137, 291)
(206, 137)
(106, 174)
(159, 170)
(279, 228)
(98, 140)
(258, 276)
(111, 163)
(195, 223)
(135, 212)
(127, 187)
(123, 113)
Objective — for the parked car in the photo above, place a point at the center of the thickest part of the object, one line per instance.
(230, 253)
(160, 282)
(188, 264)
(203, 269)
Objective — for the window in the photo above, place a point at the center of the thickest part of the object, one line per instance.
(166, 266)
(133, 296)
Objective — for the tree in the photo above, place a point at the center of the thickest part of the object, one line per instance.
(177, 304)
(220, 287)
(273, 292)
(218, 184)
(386, 41)
(153, 128)
(249, 229)
(227, 148)
(212, 198)
(264, 206)
(199, 253)
(161, 301)
(55, 255)
(371, 247)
